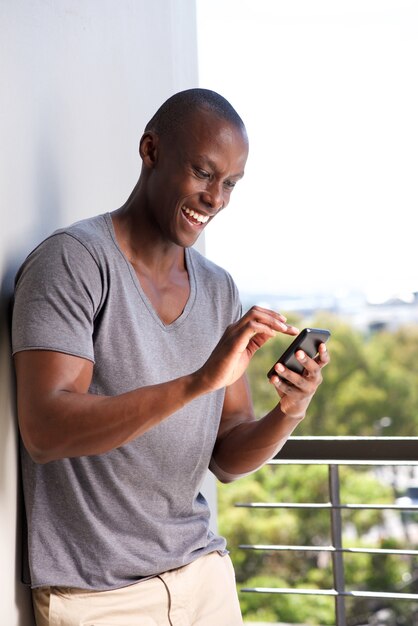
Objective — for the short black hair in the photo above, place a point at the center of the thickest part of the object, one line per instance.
(175, 111)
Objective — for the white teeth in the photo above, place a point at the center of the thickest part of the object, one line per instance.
(197, 216)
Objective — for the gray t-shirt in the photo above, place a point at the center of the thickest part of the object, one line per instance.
(104, 521)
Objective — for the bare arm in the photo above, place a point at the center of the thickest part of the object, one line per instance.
(58, 418)
(244, 443)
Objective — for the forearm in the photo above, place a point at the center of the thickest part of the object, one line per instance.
(58, 418)
(70, 424)
(250, 444)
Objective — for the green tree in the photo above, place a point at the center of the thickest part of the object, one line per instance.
(370, 376)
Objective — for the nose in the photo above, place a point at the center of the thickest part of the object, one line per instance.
(213, 196)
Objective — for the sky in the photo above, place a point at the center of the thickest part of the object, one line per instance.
(328, 90)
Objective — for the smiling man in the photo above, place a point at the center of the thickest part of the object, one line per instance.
(130, 353)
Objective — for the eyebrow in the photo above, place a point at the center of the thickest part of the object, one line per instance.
(212, 165)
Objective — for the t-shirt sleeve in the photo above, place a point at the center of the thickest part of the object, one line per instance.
(235, 300)
(58, 293)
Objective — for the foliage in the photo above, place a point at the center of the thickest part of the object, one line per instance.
(370, 377)
(286, 608)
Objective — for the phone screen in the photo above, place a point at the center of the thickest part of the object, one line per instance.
(308, 340)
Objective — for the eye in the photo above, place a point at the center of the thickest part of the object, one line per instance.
(229, 184)
(201, 173)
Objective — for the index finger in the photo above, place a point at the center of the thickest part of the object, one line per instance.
(271, 318)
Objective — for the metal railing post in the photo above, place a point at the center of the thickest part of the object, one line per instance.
(337, 542)
(334, 452)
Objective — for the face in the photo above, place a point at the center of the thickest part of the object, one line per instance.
(193, 176)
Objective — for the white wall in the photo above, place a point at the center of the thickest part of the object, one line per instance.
(79, 80)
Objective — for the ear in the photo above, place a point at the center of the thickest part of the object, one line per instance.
(148, 148)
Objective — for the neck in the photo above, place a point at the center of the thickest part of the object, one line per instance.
(141, 241)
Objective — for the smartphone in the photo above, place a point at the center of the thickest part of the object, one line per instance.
(308, 340)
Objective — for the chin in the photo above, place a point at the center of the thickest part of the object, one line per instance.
(186, 241)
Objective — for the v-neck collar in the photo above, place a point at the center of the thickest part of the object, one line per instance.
(190, 270)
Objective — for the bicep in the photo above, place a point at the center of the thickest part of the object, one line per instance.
(41, 375)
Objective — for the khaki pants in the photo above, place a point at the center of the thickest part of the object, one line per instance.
(202, 593)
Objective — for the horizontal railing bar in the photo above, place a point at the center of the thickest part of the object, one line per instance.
(352, 449)
(325, 505)
(313, 592)
(283, 505)
(294, 548)
(249, 546)
(333, 592)
(308, 461)
(334, 451)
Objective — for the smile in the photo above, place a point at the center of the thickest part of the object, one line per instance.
(194, 216)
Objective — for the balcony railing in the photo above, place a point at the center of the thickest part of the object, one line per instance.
(334, 452)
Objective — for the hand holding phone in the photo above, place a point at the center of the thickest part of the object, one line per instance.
(308, 340)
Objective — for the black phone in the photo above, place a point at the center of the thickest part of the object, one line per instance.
(308, 340)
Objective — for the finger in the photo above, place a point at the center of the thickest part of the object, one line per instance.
(311, 365)
(291, 330)
(289, 376)
(248, 335)
(263, 324)
(259, 309)
(281, 385)
(323, 356)
(277, 321)
(304, 383)
(287, 389)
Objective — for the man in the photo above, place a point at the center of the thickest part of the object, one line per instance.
(130, 355)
